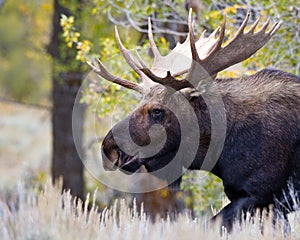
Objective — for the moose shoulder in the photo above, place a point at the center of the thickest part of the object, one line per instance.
(261, 151)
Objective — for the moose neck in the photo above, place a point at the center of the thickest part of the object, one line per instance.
(204, 122)
(210, 107)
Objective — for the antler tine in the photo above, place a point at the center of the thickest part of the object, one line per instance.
(244, 24)
(101, 71)
(251, 30)
(195, 55)
(150, 74)
(214, 33)
(127, 54)
(222, 32)
(202, 34)
(151, 40)
(141, 61)
(239, 32)
(274, 28)
(220, 38)
(266, 24)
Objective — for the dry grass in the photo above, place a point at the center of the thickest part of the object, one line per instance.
(52, 215)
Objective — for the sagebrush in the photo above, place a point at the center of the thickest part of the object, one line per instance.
(52, 215)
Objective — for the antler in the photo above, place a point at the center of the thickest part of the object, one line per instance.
(184, 58)
(206, 52)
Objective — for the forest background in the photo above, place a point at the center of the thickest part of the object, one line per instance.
(39, 72)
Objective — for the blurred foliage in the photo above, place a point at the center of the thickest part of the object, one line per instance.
(205, 192)
(24, 33)
(281, 52)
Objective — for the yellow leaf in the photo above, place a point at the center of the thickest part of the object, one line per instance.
(94, 11)
(71, 19)
(230, 10)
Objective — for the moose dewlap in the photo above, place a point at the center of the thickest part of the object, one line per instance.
(260, 154)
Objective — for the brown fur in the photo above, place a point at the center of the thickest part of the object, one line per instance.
(262, 145)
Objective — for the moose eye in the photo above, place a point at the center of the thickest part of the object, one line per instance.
(157, 114)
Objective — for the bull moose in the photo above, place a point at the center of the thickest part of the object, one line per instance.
(260, 152)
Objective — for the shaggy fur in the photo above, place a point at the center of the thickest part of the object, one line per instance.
(261, 153)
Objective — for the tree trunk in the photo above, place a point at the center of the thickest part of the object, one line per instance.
(66, 162)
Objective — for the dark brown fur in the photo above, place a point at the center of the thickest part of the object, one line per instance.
(262, 146)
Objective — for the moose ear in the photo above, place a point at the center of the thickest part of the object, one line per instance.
(190, 93)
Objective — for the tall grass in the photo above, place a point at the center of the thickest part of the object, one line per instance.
(52, 215)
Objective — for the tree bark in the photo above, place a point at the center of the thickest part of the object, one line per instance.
(66, 162)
